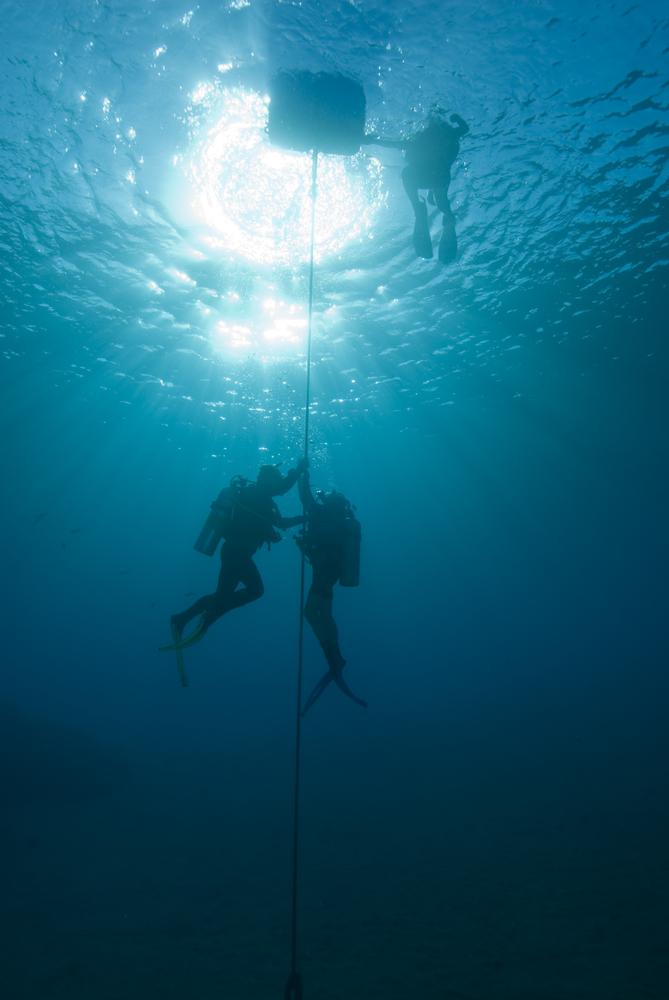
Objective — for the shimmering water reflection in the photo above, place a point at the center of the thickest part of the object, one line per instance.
(255, 198)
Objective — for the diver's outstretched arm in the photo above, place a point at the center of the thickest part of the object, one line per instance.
(291, 477)
(290, 522)
(376, 140)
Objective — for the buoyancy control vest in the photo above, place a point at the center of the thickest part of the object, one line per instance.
(334, 534)
(435, 147)
(217, 524)
(235, 515)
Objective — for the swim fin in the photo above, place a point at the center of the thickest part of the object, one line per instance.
(338, 678)
(422, 241)
(337, 663)
(448, 245)
(318, 691)
(198, 633)
(176, 635)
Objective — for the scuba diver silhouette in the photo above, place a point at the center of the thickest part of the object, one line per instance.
(331, 543)
(430, 155)
(246, 517)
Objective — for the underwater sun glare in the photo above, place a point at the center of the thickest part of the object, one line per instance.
(279, 325)
(255, 198)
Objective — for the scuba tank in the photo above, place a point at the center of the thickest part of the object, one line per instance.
(217, 524)
(350, 553)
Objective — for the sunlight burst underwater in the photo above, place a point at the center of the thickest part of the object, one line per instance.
(257, 199)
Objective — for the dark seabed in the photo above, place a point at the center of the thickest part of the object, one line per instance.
(494, 825)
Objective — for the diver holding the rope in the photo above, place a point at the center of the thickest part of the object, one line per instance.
(331, 543)
(430, 154)
(246, 516)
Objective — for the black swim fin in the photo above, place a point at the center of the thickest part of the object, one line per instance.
(422, 241)
(448, 245)
(318, 691)
(336, 662)
(343, 686)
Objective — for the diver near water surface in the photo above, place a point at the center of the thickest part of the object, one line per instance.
(246, 516)
(331, 543)
(430, 154)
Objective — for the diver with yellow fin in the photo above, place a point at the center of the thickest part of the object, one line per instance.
(246, 517)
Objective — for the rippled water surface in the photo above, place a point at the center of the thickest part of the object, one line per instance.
(141, 198)
(500, 423)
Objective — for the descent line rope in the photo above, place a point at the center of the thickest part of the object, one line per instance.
(294, 984)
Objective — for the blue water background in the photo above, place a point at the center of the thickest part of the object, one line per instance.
(494, 824)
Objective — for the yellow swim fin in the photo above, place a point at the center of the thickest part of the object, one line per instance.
(198, 633)
(180, 660)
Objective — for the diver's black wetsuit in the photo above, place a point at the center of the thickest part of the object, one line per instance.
(254, 519)
(322, 545)
(430, 155)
